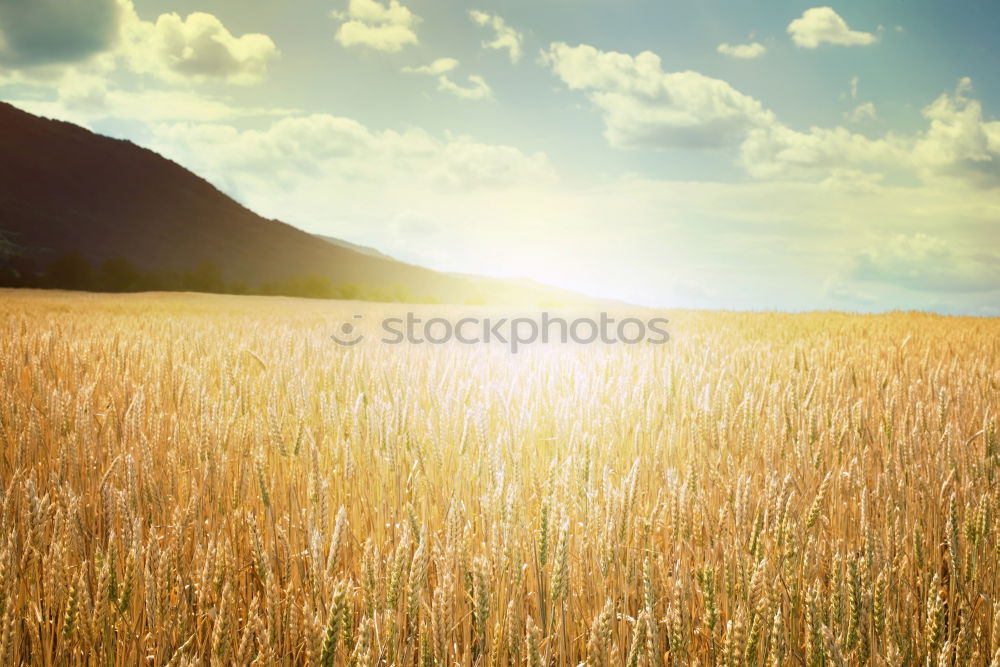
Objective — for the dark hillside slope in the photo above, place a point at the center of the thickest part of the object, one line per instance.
(64, 189)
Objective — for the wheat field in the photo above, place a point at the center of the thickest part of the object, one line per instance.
(193, 479)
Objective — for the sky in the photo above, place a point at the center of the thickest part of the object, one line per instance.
(721, 154)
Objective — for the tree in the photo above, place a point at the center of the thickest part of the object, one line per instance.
(347, 291)
(206, 278)
(117, 274)
(70, 270)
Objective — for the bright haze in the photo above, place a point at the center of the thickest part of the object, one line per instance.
(709, 154)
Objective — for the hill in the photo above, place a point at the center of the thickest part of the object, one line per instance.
(68, 193)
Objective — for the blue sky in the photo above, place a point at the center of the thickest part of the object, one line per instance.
(752, 155)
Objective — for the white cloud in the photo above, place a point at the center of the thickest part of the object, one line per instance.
(778, 151)
(822, 25)
(506, 37)
(169, 50)
(439, 66)
(645, 106)
(959, 142)
(50, 40)
(928, 263)
(371, 24)
(861, 113)
(854, 86)
(958, 145)
(477, 88)
(299, 150)
(743, 51)
(198, 47)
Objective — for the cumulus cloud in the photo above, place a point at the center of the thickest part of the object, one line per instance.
(780, 151)
(49, 40)
(743, 51)
(198, 47)
(822, 25)
(374, 25)
(923, 262)
(506, 37)
(438, 67)
(43, 32)
(477, 88)
(330, 148)
(959, 142)
(643, 106)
